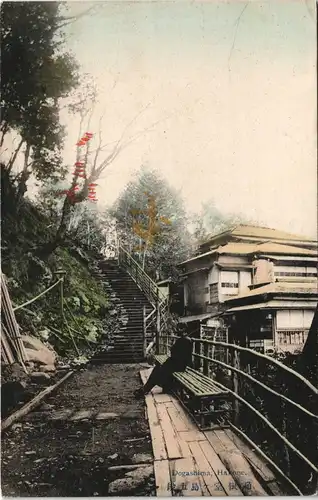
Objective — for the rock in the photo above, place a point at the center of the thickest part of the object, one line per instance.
(64, 367)
(113, 457)
(30, 365)
(40, 377)
(106, 416)
(141, 474)
(47, 368)
(37, 351)
(14, 427)
(142, 458)
(131, 481)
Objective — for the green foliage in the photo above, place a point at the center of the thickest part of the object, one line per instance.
(150, 204)
(86, 302)
(36, 73)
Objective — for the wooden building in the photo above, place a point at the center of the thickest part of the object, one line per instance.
(260, 282)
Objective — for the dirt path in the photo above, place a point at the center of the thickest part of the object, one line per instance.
(45, 457)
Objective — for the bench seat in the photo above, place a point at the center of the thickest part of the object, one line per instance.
(198, 393)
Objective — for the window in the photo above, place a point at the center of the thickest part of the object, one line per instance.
(229, 282)
(290, 319)
(304, 272)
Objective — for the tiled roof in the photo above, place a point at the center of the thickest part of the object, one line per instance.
(272, 248)
(266, 232)
(279, 288)
(249, 232)
(266, 248)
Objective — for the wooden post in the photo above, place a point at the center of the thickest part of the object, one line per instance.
(158, 343)
(235, 380)
(205, 361)
(144, 325)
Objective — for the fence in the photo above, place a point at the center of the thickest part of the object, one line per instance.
(156, 322)
(274, 406)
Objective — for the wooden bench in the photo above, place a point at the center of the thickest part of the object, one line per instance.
(198, 393)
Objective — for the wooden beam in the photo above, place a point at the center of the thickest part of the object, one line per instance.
(209, 477)
(33, 403)
(162, 477)
(226, 479)
(157, 440)
(193, 435)
(169, 434)
(238, 466)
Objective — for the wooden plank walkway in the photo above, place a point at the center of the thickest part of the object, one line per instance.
(190, 462)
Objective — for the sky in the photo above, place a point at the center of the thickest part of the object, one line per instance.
(225, 92)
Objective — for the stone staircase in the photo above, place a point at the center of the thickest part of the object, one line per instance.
(128, 343)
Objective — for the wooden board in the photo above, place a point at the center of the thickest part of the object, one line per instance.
(171, 441)
(209, 477)
(226, 479)
(163, 480)
(193, 435)
(184, 447)
(158, 444)
(185, 484)
(258, 464)
(215, 442)
(225, 440)
(185, 416)
(257, 461)
(240, 469)
(162, 398)
(177, 419)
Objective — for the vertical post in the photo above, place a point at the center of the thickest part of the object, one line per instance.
(158, 344)
(235, 381)
(145, 332)
(205, 361)
(60, 274)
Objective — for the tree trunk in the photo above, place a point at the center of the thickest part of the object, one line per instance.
(14, 157)
(4, 130)
(22, 187)
(49, 247)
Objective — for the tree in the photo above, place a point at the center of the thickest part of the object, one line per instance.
(152, 223)
(36, 74)
(211, 221)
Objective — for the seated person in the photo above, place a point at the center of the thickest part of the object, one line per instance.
(180, 358)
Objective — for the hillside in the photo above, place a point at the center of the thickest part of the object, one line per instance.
(86, 305)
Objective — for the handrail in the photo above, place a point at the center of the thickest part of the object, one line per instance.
(270, 425)
(145, 275)
(250, 377)
(156, 321)
(263, 356)
(242, 400)
(38, 296)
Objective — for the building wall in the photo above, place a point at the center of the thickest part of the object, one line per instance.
(196, 292)
(264, 271)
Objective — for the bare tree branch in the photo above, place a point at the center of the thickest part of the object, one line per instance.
(14, 156)
(236, 24)
(66, 20)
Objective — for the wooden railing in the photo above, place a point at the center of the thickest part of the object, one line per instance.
(155, 323)
(275, 408)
